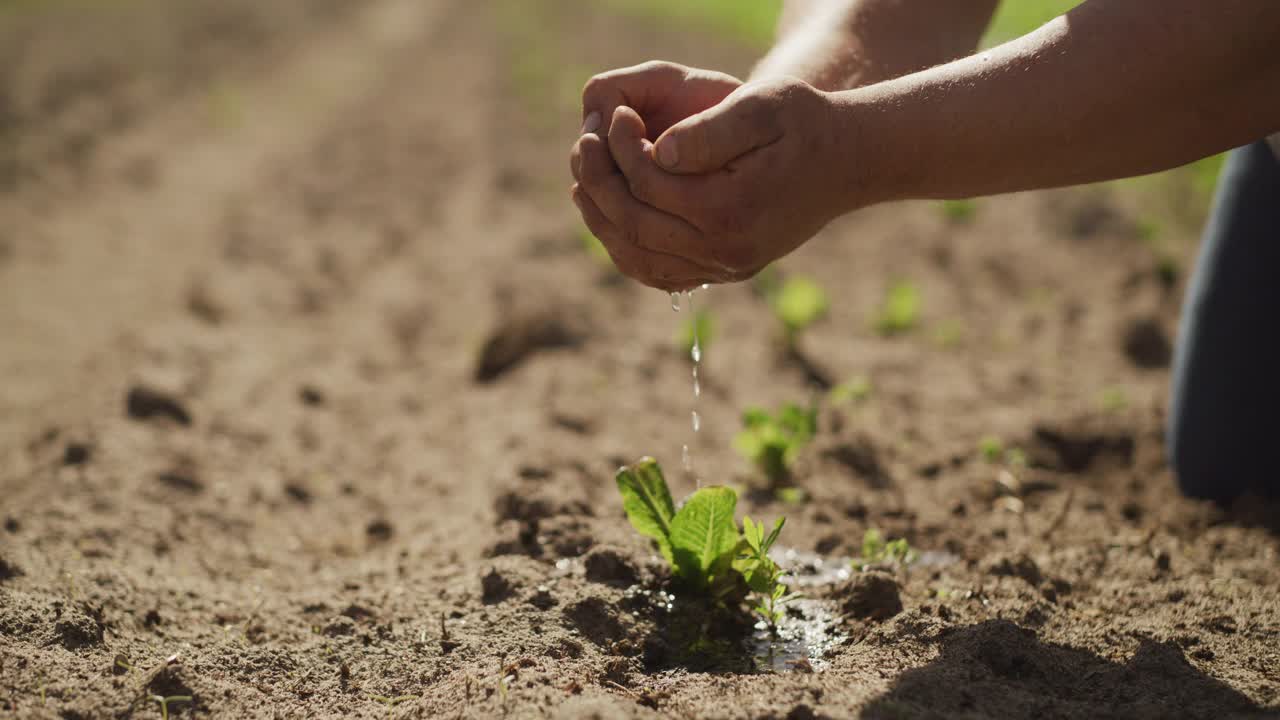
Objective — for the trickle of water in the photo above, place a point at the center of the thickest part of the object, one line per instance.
(695, 353)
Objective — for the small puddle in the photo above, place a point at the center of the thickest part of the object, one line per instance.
(808, 633)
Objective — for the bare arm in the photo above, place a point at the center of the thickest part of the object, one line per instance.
(843, 44)
(1112, 89)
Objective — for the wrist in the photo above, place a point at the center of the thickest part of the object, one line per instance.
(871, 158)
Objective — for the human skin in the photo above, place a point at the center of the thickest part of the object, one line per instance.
(1112, 89)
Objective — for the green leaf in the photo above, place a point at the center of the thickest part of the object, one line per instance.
(703, 532)
(799, 303)
(753, 534)
(647, 501)
(900, 311)
(773, 535)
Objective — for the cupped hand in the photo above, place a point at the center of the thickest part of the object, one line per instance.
(663, 93)
(721, 194)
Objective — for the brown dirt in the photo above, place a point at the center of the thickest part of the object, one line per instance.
(313, 399)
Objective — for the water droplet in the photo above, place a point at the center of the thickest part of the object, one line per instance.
(696, 352)
(697, 421)
(688, 461)
(675, 302)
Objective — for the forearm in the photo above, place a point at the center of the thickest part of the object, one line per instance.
(842, 44)
(1116, 88)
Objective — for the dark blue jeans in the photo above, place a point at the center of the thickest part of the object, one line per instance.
(1225, 404)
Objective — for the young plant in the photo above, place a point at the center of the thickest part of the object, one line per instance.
(701, 541)
(798, 303)
(773, 442)
(762, 574)
(878, 551)
(900, 311)
(391, 702)
(959, 212)
(164, 703)
(850, 392)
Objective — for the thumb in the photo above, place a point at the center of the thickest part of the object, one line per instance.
(710, 140)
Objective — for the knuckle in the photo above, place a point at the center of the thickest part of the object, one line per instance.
(594, 87)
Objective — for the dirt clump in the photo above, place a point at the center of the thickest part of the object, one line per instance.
(872, 595)
(148, 403)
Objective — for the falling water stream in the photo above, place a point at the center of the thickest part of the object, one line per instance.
(695, 353)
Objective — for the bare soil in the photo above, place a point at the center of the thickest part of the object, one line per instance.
(312, 402)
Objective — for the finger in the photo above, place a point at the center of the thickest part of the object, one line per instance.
(710, 140)
(649, 183)
(653, 269)
(639, 86)
(575, 161)
(596, 222)
(649, 228)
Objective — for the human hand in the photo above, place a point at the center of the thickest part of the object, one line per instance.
(663, 93)
(721, 194)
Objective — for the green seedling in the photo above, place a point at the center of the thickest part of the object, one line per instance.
(701, 541)
(390, 702)
(852, 391)
(900, 311)
(959, 212)
(798, 304)
(700, 329)
(1113, 399)
(878, 551)
(762, 574)
(791, 495)
(773, 442)
(992, 449)
(164, 703)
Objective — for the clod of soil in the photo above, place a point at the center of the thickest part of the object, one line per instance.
(8, 569)
(596, 619)
(608, 565)
(1076, 447)
(1020, 566)
(1146, 344)
(379, 531)
(76, 454)
(495, 587)
(76, 630)
(521, 335)
(862, 459)
(169, 680)
(145, 403)
(870, 595)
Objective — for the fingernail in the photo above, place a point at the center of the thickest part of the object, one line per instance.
(668, 156)
(591, 124)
